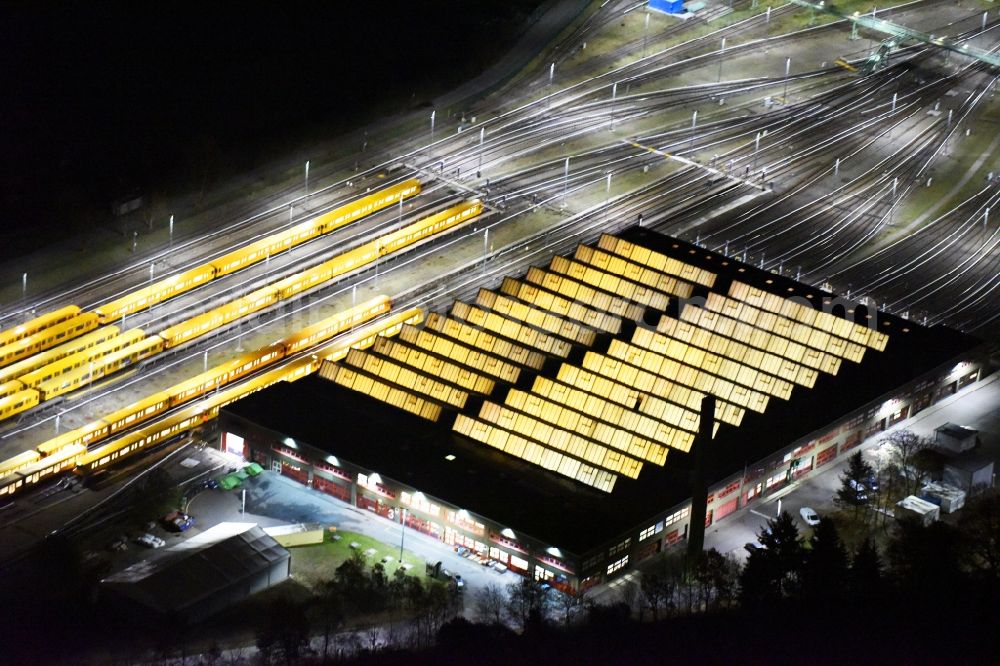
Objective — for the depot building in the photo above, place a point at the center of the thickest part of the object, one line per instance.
(548, 424)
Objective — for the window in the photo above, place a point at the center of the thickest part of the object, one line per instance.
(541, 573)
(464, 521)
(620, 548)
(674, 517)
(518, 562)
(650, 531)
(616, 565)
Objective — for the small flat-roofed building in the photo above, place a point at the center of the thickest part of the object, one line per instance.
(949, 498)
(955, 438)
(969, 472)
(924, 511)
(204, 574)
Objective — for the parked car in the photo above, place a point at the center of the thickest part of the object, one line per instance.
(810, 516)
(150, 541)
(120, 543)
(177, 521)
(459, 583)
(859, 488)
(752, 546)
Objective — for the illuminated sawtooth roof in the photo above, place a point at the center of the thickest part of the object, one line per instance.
(634, 392)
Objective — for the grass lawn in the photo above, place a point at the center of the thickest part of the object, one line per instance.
(312, 564)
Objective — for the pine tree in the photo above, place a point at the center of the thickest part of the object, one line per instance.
(854, 482)
(774, 571)
(865, 576)
(825, 570)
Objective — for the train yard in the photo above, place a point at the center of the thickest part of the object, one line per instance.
(806, 174)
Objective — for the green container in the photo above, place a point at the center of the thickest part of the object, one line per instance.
(253, 469)
(230, 481)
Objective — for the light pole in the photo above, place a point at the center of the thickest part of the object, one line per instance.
(694, 124)
(788, 65)
(171, 227)
(204, 361)
(307, 177)
(548, 95)
(614, 93)
(607, 196)
(722, 56)
(152, 272)
(645, 35)
(486, 240)
(986, 217)
(402, 535)
(482, 137)
(433, 114)
(565, 179)
(24, 290)
(756, 147)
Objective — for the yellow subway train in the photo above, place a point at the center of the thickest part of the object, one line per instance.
(37, 324)
(41, 359)
(16, 472)
(338, 266)
(82, 368)
(256, 252)
(80, 359)
(48, 337)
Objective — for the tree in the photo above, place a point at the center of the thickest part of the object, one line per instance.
(568, 606)
(825, 570)
(284, 632)
(925, 560)
(329, 607)
(855, 482)
(489, 603)
(630, 593)
(980, 527)
(865, 576)
(774, 571)
(716, 575)
(526, 601)
(904, 449)
(657, 589)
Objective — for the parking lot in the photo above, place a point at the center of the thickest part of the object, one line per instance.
(271, 500)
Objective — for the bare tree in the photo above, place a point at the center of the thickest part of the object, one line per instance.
(630, 593)
(372, 636)
(905, 447)
(525, 601)
(568, 606)
(490, 602)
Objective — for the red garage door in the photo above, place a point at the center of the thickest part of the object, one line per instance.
(296, 472)
(726, 509)
(331, 488)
